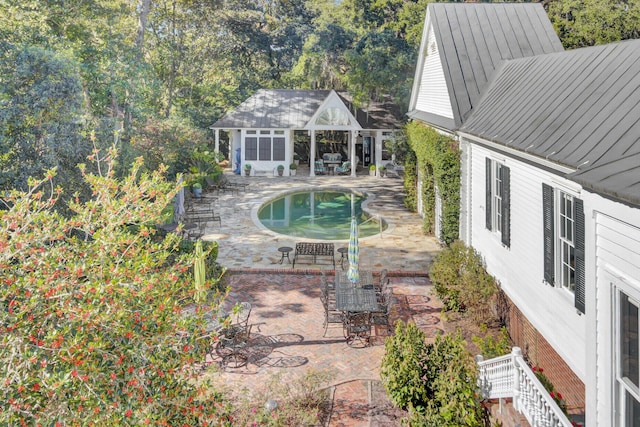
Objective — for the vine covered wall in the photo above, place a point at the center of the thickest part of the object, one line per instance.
(438, 158)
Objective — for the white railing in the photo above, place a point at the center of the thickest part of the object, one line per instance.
(510, 377)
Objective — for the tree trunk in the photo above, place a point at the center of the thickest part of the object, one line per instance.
(142, 26)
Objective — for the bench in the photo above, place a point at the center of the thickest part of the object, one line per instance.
(202, 216)
(314, 253)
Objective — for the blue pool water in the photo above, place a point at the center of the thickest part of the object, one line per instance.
(322, 214)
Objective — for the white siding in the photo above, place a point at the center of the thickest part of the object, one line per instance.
(433, 96)
(615, 263)
(519, 269)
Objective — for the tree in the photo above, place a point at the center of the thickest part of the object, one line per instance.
(41, 118)
(93, 330)
(581, 23)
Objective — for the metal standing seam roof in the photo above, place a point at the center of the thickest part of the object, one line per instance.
(474, 38)
(578, 108)
(292, 109)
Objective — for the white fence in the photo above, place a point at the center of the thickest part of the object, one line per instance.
(510, 377)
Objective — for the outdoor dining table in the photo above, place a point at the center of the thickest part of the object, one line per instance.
(354, 297)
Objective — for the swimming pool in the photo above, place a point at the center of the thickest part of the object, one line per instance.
(318, 214)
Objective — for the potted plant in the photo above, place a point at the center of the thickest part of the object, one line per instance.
(280, 170)
(197, 189)
(381, 169)
(372, 170)
(247, 169)
(296, 159)
(292, 169)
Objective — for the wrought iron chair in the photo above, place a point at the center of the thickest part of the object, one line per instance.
(381, 317)
(331, 315)
(382, 283)
(357, 328)
(232, 347)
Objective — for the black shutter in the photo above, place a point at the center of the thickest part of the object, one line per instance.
(506, 206)
(547, 217)
(578, 215)
(488, 184)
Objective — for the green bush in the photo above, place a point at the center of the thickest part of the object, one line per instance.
(491, 347)
(462, 283)
(436, 382)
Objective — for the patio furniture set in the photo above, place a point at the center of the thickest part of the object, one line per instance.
(233, 337)
(357, 307)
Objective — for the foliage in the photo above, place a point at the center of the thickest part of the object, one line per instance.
(300, 402)
(436, 382)
(462, 283)
(411, 181)
(293, 166)
(174, 143)
(581, 23)
(90, 306)
(491, 347)
(439, 159)
(40, 119)
(548, 385)
(402, 367)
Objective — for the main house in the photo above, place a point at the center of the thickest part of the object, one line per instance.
(550, 188)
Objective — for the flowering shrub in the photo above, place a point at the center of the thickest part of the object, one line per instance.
(548, 385)
(91, 327)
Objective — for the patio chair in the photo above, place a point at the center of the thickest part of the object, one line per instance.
(381, 317)
(345, 169)
(382, 283)
(242, 318)
(320, 168)
(357, 328)
(232, 347)
(331, 315)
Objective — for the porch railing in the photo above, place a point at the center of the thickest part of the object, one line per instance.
(510, 377)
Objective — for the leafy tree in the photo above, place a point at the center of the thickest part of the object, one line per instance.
(581, 23)
(40, 118)
(92, 320)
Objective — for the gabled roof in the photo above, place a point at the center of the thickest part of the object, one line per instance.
(474, 38)
(579, 108)
(293, 109)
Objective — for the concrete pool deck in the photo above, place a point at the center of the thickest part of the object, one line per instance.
(243, 244)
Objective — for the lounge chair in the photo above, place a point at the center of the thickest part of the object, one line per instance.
(320, 168)
(345, 169)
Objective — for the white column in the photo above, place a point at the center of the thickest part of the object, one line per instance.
(353, 134)
(312, 154)
(217, 139)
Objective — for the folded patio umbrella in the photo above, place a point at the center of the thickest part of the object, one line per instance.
(199, 273)
(353, 253)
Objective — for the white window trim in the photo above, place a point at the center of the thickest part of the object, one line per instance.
(622, 385)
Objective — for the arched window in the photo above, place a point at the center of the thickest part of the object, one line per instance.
(333, 117)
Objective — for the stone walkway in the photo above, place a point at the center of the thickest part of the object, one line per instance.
(287, 313)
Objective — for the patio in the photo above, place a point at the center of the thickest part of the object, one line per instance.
(287, 313)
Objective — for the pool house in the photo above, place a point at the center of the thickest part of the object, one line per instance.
(322, 128)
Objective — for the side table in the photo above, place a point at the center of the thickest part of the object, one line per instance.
(284, 253)
(343, 255)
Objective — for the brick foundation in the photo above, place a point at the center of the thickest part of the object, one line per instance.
(539, 352)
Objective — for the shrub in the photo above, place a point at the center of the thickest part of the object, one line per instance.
(372, 167)
(491, 347)
(462, 283)
(436, 382)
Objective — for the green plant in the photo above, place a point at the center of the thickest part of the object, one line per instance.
(247, 167)
(372, 167)
(280, 167)
(196, 186)
(439, 159)
(462, 283)
(293, 166)
(548, 385)
(381, 168)
(435, 382)
(296, 156)
(491, 347)
(89, 336)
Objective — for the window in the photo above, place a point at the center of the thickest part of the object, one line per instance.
(498, 209)
(628, 363)
(265, 148)
(564, 242)
(333, 117)
(251, 146)
(278, 148)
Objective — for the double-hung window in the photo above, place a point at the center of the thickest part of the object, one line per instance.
(563, 217)
(628, 361)
(498, 200)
